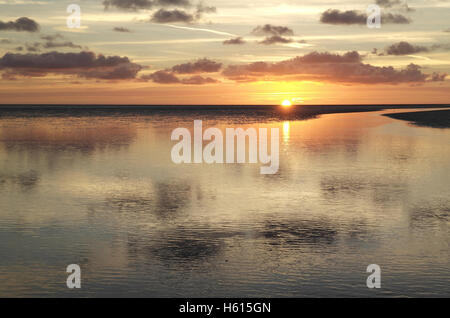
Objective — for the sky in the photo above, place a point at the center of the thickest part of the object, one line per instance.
(224, 52)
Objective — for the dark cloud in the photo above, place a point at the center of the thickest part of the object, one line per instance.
(235, 41)
(144, 4)
(346, 68)
(167, 77)
(198, 80)
(33, 47)
(334, 16)
(272, 30)
(437, 77)
(52, 45)
(162, 77)
(394, 18)
(205, 9)
(388, 3)
(275, 39)
(82, 64)
(397, 4)
(200, 66)
(404, 48)
(171, 16)
(52, 37)
(21, 24)
(120, 29)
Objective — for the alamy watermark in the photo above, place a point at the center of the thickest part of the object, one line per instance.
(374, 16)
(74, 19)
(74, 279)
(374, 279)
(235, 146)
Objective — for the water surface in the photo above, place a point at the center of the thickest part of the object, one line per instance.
(102, 192)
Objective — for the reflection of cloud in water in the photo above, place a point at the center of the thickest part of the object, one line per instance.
(382, 192)
(179, 246)
(26, 180)
(431, 213)
(165, 201)
(70, 138)
(299, 232)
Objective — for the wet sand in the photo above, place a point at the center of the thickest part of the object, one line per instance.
(435, 118)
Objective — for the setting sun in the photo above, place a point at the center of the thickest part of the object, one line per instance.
(286, 103)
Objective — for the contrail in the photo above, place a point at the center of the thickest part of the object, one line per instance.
(198, 29)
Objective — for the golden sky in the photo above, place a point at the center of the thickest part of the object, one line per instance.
(224, 52)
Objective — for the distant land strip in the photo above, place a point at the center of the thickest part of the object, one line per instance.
(432, 118)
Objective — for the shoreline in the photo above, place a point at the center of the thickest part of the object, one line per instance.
(262, 112)
(432, 118)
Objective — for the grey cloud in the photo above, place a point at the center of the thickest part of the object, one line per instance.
(144, 4)
(200, 66)
(346, 68)
(51, 45)
(272, 30)
(388, 3)
(120, 29)
(437, 77)
(162, 77)
(51, 37)
(171, 16)
(198, 80)
(404, 48)
(21, 24)
(397, 4)
(394, 18)
(334, 16)
(275, 39)
(235, 41)
(82, 64)
(167, 77)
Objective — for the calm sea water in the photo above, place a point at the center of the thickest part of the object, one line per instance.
(102, 192)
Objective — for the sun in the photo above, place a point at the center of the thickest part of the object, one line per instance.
(286, 103)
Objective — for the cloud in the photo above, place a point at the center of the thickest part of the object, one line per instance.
(205, 9)
(21, 24)
(234, 41)
(437, 77)
(83, 64)
(171, 16)
(334, 16)
(394, 18)
(120, 29)
(404, 48)
(162, 77)
(200, 66)
(275, 39)
(52, 37)
(347, 68)
(135, 5)
(394, 4)
(198, 80)
(52, 45)
(271, 30)
(388, 3)
(166, 77)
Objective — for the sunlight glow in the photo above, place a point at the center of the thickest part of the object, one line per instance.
(286, 103)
